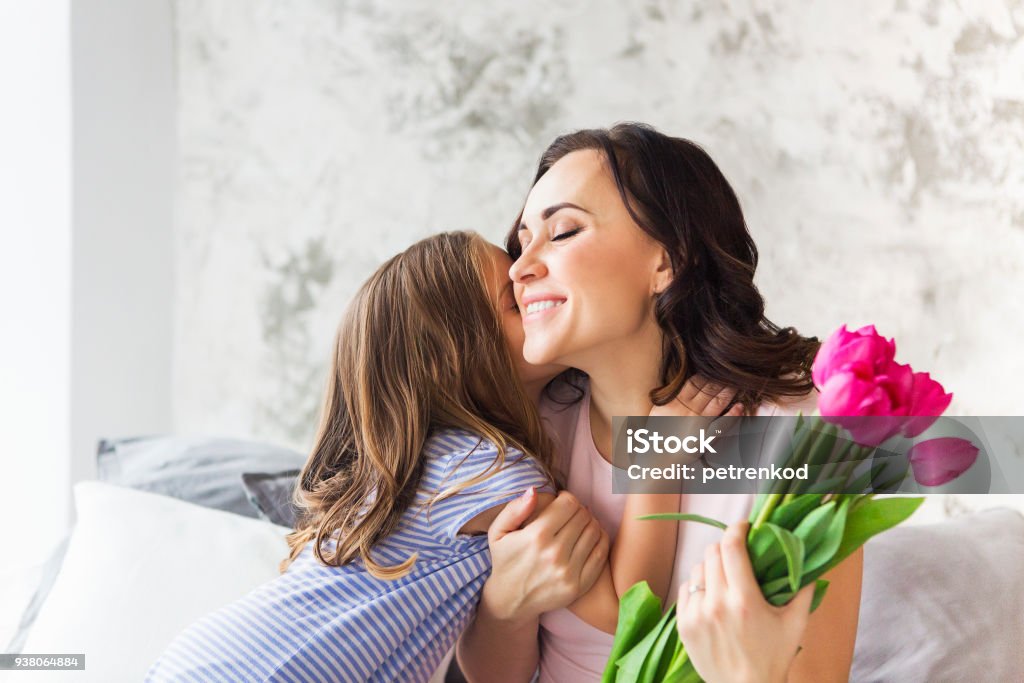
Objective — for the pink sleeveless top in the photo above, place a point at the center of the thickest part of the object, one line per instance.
(571, 650)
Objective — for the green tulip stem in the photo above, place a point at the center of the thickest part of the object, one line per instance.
(860, 454)
(818, 432)
(770, 504)
(834, 463)
(802, 438)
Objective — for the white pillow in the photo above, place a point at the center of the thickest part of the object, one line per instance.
(141, 567)
(944, 602)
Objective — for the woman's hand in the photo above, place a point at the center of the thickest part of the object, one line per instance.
(699, 397)
(548, 563)
(731, 633)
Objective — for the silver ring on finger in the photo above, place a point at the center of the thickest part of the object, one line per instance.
(694, 588)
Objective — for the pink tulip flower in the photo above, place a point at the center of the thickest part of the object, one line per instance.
(864, 352)
(865, 391)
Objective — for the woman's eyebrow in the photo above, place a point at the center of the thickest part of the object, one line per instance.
(555, 208)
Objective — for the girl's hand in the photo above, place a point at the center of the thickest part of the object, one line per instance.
(698, 397)
(548, 563)
(730, 631)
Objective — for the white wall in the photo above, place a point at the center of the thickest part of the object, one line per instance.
(86, 269)
(87, 145)
(878, 151)
(35, 290)
(124, 172)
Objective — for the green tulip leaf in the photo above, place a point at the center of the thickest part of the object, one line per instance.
(792, 550)
(788, 515)
(639, 612)
(819, 594)
(659, 659)
(687, 517)
(818, 461)
(866, 518)
(685, 674)
(677, 661)
(862, 483)
(820, 586)
(680, 667)
(829, 543)
(631, 664)
(823, 446)
(892, 484)
(812, 528)
(764, 549)
(775, 586)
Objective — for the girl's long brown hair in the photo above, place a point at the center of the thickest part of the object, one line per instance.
(420, 348)
(712, 315)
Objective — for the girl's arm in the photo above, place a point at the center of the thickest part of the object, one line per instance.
(639, 553)
(644, 550)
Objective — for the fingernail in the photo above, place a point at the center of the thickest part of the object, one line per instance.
(528, 493)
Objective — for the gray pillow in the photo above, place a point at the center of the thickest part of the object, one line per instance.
(271, 495)
(202, 470)
(944, 602)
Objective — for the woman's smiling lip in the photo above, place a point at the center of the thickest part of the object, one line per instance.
(542, 305)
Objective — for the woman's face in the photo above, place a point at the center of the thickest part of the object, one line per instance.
(587, 275)
(500, 289)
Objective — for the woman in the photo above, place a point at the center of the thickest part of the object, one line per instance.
(633, 264)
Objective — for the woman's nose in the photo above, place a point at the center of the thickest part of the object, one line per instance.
(527, 267)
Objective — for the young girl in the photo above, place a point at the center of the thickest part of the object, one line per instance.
(426, 433)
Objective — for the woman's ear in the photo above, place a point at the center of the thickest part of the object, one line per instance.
(663, 273)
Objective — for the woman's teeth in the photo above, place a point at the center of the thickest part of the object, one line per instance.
(542, 305)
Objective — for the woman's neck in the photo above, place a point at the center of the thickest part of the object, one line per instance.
(621, 382)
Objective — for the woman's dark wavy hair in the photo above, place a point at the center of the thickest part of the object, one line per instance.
(711, 313)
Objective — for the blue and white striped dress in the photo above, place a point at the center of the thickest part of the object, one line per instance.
(318, 623)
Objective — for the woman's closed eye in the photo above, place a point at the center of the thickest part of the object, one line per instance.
(566, 235)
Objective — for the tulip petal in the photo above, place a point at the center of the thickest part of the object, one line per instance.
(864, 352)
(928, 400)
(941, 460)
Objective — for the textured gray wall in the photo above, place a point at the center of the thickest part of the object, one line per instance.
(878, 150)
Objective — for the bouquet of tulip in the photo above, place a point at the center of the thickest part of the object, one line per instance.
(800, 530)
